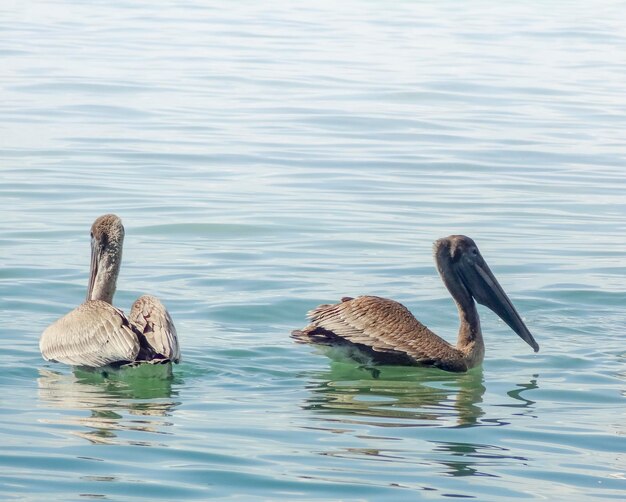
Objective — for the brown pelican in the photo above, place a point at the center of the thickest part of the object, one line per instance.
(386, 332)
(96, 334)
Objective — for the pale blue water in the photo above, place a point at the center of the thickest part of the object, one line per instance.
(269, 157)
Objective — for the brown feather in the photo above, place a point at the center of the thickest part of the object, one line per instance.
(384, 328)
(153, 321)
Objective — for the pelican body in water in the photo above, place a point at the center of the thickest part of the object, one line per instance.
(96, 334)
(387, 333)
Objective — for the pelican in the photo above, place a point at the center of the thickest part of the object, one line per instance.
(386, 332)
(96, 334)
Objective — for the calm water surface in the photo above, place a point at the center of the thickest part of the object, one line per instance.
(266, 158)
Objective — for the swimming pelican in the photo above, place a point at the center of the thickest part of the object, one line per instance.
(386, 332)
(96, 334)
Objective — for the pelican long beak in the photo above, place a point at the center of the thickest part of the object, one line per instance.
(93, 269)
(486, 290)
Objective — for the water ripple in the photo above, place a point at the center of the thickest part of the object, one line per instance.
(269, 157)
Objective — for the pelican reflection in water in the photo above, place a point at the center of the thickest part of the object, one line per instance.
(124, 411)
(396, 397)
(386, 332)
(374, 414)
(96, 334)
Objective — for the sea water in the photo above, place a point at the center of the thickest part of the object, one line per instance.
(267, 157)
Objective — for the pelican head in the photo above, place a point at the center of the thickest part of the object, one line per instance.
(107, 238)
(467, 276)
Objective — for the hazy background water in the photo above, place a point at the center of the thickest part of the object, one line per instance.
(267, 157)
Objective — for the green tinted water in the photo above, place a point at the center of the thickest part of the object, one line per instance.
(266, 159)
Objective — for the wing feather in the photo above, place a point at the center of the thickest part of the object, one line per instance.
(94, 334)
(384, 326)
(152, 319)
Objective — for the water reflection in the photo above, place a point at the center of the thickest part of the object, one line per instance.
(349, 397)
(469, 459)
(115, 406)
(397, 396)
(516, 394)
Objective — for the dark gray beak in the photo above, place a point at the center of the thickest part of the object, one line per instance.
(486, 290)
(93, 271)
